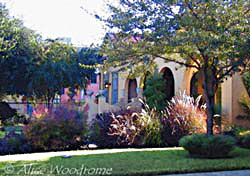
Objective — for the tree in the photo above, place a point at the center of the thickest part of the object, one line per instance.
(90, 57)
(33, 67)
(59, 69)
(210, 36)
(19, 52)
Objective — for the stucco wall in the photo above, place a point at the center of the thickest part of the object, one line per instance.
(232, 90)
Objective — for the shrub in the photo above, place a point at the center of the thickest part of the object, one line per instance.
(244, 138)
(62, 128)
(183, 116)
(137, 129)
(245, 142)
(14, 143)
(99, 131)
(104, 123)
(246, 80)
(9, 116)
(151, 131)
(6, 112)
(200, 145)
(154, 92)
(127, 128)
(245, 105)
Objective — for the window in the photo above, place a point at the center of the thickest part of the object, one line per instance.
(114, 87)
(93, 78)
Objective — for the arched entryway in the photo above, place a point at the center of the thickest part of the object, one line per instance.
(170, 86)
(132, 86)
(196, 85)
(196, 89)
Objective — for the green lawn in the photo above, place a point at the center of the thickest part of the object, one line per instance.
(132, 163)
(2, 134)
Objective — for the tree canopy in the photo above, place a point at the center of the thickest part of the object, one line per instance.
(38, 68)
(19, 52)
(210, 36)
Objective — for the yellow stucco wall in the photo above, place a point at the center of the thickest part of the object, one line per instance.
(232, 88)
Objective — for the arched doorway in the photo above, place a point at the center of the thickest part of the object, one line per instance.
(196, 85)
(169, 79)
(196, 89)
(132, 86)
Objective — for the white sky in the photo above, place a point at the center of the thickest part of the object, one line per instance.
(61, 18)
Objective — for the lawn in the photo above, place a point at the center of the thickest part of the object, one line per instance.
(129, 163)
(2, 134)
(18, 130)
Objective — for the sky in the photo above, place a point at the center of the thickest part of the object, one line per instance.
(61, 18)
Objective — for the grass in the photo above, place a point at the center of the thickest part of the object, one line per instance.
(2, 134)
(132, 163)
(18, 130)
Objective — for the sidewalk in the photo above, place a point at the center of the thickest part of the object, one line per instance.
(221, 173)
(47, 155)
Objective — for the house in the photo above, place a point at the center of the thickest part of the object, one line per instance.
(118, 88)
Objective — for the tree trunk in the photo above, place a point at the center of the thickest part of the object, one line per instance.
(209, 87)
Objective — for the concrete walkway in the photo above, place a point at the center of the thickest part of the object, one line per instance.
(221, 173)
(47, 155)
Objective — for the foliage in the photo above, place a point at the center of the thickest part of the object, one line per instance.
(245, 142)
(2, 134)
(154, 92)
(102, 126)
(59, 69)
(245, 105)
(209, 36)
(151, 131)
(243, 137)
(127, 128)
(183, 116)
(19, 53)
(6, 112)
(62, 128)
(14, 143)
(150, 128)
(246, 80)
(34, 67)
(200, 145)
(99, 131)
(137, 128)
(9, 116)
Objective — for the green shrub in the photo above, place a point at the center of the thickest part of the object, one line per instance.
(13, 143)
(62, 128)
(200, 145)
(154, 92)
(245, 105)
(149, 119)
(246, 80)
(244, 138)
(245, 142)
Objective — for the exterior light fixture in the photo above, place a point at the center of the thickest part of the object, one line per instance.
(107, 84)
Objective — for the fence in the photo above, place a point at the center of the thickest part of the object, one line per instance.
(29, 109)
